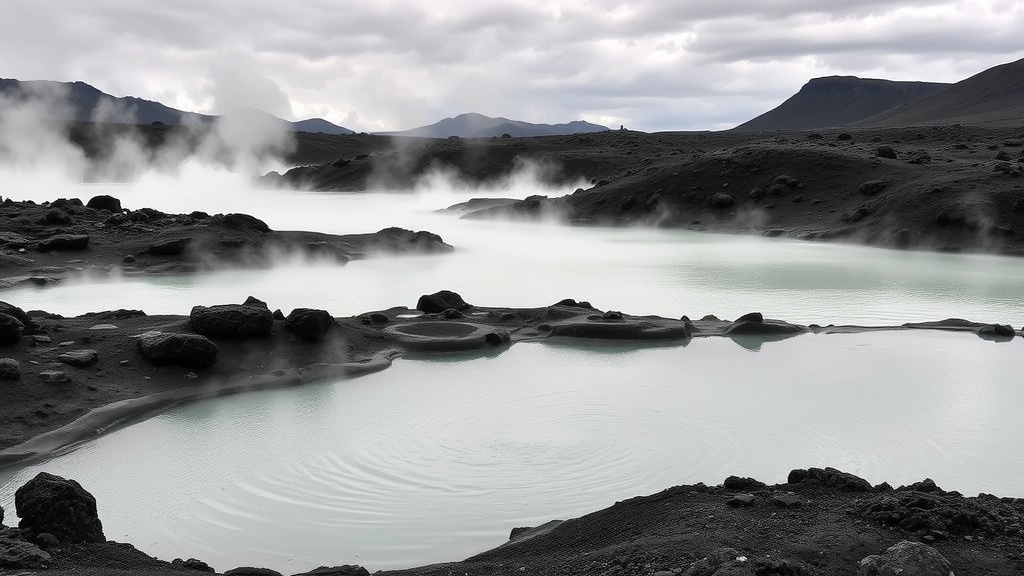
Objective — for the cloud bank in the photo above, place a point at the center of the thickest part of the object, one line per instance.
(390, 65)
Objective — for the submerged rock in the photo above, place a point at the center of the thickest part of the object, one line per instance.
(231, 321)
(906, 559)
(189, 350)
(58, 506)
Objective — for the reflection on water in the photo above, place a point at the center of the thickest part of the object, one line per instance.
(639, 271)
(435, 459)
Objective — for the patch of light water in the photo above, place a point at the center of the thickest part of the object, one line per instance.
(438, 458)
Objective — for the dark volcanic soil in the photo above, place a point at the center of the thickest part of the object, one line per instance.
(946, 188)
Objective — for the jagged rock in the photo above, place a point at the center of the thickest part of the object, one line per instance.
(250, 571)
(172, 247)
(79, 358)
(231, 321)
(278, 315)
(346, 570)
(11, 329)
(441, 301)
(189, 350)
(738, 483)
(253, 301)
(192, 564)
(64, 242)
(309, 323)
(104, 202)
(906, 558)
(927, 510)
(20, 554)
(831, 478)
(61, 507)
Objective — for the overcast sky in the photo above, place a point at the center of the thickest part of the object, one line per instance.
(385, 65)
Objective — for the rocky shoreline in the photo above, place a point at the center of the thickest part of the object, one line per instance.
(69, 379)
(944, 188)
(45, 243)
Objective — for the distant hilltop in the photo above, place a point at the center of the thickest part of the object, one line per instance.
(86, 101)
(993, 98)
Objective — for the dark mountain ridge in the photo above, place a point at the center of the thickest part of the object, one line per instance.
(838, 101)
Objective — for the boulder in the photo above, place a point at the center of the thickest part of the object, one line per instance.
(441, 301)
(189, 350)
(244, 222)
(751, 317)
(231, 321)
(738, 483)
(104, 202)
(64, 242)
(12, 310)
(309, 323)
(906, 558)
(997, 331)
(830, 478)
(79, 358)
(18, 554)
(741, 500)
(886, 151)
(61, 507)
(11, 329)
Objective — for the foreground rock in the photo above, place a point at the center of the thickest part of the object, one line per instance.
(49, 504)
(231, 321)
(681, 531)
(190, 350)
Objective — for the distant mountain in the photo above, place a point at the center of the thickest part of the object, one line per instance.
(477, 125)
(85, 99)
(994, 97)
(837, 101)
(315, 125)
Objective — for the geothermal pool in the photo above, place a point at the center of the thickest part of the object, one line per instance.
(435, 459)
(439, 457)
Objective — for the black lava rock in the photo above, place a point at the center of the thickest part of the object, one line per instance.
(441, 301)
(189, 350)
(11, 329)
(104, 202)
(309, 323)
(831, 478)
(231, 321)
(64, 242)
(51, 504)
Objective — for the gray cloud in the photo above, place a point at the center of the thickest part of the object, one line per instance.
(649, 64)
